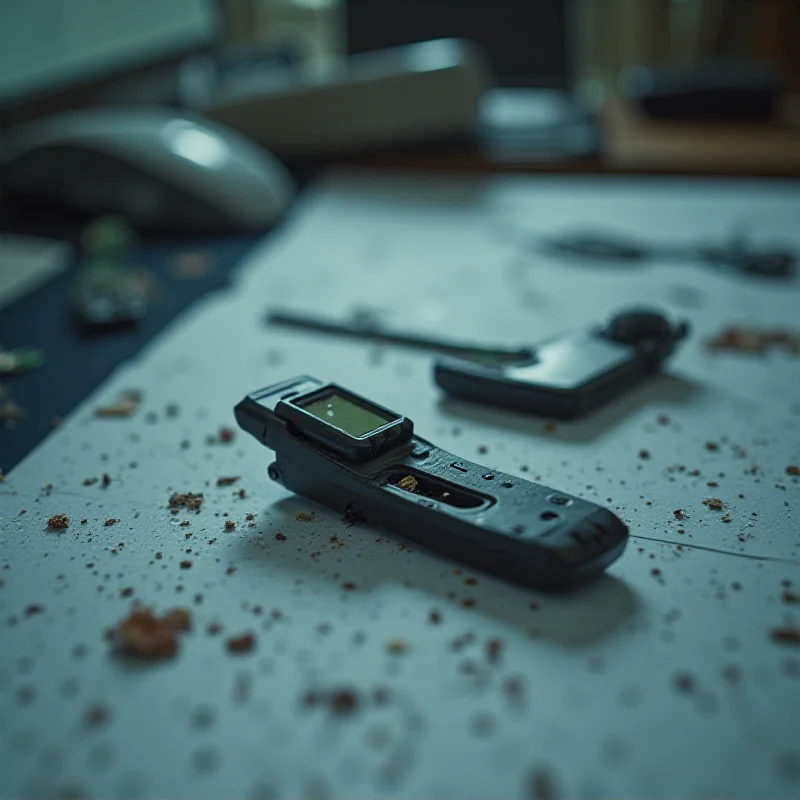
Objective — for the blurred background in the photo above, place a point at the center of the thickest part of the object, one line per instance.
(146, 144)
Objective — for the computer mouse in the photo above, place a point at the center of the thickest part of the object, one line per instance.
(162, 169)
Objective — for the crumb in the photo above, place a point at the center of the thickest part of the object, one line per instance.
(712, 484)
(34, 608)
(550, 427)
(241, 494)
(89, 481)
(281, 537)
(144, 635)
(468, 602)
(793, 469)
(662, 419)
(483, 450)
(434, 617)
(124, 407)
(226, 435)
(712, 447)
(230, 570)
(186, 564)
(714, 503)
(230, 525)
(644, 454)
(790, 597)
(190, 500)
(726, 518)
(106, 480)
(249, 517)
(241, 644)
(126, 592)
(158, 556)
(343, 701)
(788, 634)
(84, 521)
(178, 618)
(213, 628)
(396, 646)
(493, 648)
(110, 521)
(227, 481)
(754, 340)
(305, 516)
(58, 521)
(471, 581)
(679, 513)
(655, 572)
(185, 524)
(352, 516)
(348, 586)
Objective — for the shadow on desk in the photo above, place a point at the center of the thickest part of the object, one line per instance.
(661, 390)
(375, 560)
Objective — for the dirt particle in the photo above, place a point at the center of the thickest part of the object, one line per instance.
(471, 581)
(96, 715)
(230, 525)
(110, 521)
(126, 592)
(89, 481)
(213, 628)
(227, 481)
(684, 682)
(541, 786)
(343, 701)
(396, 647)
(106, 482)
(281, 537)
(644, 454)
(186, 564)
(712, 447)
(787, 634)
(348, 586)
(790, 597)
(714, 503)
(144, 635)
(679, 513)
(128, 403)
(468, 602)
(33, 609)
(550, 427)
(226, 435)
(655, 572)
(190, 500)
(243, 643)
(58, 522)
(305, 516)
(493, 648)
(434, 616)
(793, 469)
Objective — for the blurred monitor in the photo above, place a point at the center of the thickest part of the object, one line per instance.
(52, 50)
(526, 39)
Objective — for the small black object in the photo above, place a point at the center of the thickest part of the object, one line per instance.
(728, 90)
(572, 374)
(365, 462)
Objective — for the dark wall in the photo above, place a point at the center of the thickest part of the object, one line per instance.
(525, 38)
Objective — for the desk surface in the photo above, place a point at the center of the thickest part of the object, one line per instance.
(663, 678)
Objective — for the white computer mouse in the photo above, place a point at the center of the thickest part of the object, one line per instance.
(163, 169)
